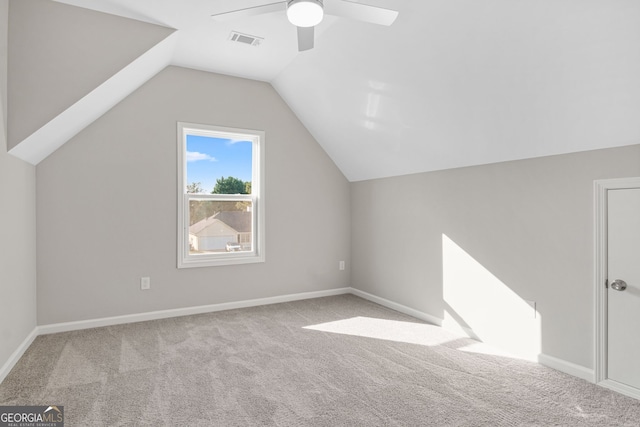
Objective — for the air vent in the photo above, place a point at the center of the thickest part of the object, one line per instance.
(245, 38)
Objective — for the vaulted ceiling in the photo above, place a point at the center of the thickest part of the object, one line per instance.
(451, 83)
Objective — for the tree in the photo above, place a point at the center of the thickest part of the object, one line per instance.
(196, 211)
(229, 185)
(201, 209)
(195, 188)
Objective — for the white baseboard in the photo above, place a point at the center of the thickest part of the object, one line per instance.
(567, 367)
(17, 354)
(187, 311)
(621, 388)
(453, 326)
(552, 362)
(450, 326)
(154, 315)
(549, 361)
(397, 307)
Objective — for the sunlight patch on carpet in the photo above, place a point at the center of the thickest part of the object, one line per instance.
(390, 330)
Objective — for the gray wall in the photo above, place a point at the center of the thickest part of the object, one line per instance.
(529, 223)
(17, 231)
(59, 53)
(106, 211)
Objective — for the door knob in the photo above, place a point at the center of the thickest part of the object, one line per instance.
(619, 285)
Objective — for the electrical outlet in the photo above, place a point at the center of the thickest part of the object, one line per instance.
(341, 265)
(145, 283)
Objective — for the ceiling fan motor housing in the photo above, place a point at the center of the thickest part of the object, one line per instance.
(305, 13)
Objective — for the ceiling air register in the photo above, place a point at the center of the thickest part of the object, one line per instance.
(306, 14)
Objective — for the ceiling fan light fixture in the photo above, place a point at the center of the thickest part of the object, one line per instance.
(305, 13)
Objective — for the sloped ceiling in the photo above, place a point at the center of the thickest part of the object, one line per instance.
(452, 83)
(67, 66)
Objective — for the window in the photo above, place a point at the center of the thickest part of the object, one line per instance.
(220, 196)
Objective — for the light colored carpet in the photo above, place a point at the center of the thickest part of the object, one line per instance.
(336, 361)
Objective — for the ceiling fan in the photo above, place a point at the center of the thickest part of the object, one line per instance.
(306, 14)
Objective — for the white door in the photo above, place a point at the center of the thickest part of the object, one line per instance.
(623, 292)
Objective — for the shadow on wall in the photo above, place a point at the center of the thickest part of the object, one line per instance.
(480, 305)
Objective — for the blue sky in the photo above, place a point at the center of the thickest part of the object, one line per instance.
(211, 158)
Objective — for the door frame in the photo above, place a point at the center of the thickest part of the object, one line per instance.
(601, 188)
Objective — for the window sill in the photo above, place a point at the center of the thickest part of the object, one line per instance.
(194, 261)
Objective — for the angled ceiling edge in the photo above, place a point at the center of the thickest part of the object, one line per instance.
(40, 144)
(67, 66)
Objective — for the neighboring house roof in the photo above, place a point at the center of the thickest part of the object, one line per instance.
(201, 225)
(240, 221)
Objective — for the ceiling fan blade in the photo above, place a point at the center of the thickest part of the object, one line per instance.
(305, 38)
(360, 12)
(251, 11)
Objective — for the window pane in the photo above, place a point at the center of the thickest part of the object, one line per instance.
(220, 190)
(220, 226)
(218, 165)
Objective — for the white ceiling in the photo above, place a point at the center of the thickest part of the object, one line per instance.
(451, 83)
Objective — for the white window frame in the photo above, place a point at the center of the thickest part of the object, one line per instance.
(257, 254)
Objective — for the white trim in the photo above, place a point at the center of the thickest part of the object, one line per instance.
(258, 140)
(549, 361)
(453, 326)
(17, 354)
(621, 388)
(397, 307)
(599, 277)
(154, 315)
(443, 323)
(600, 189)
(186, 311)
(566, 367)
(51, 136)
